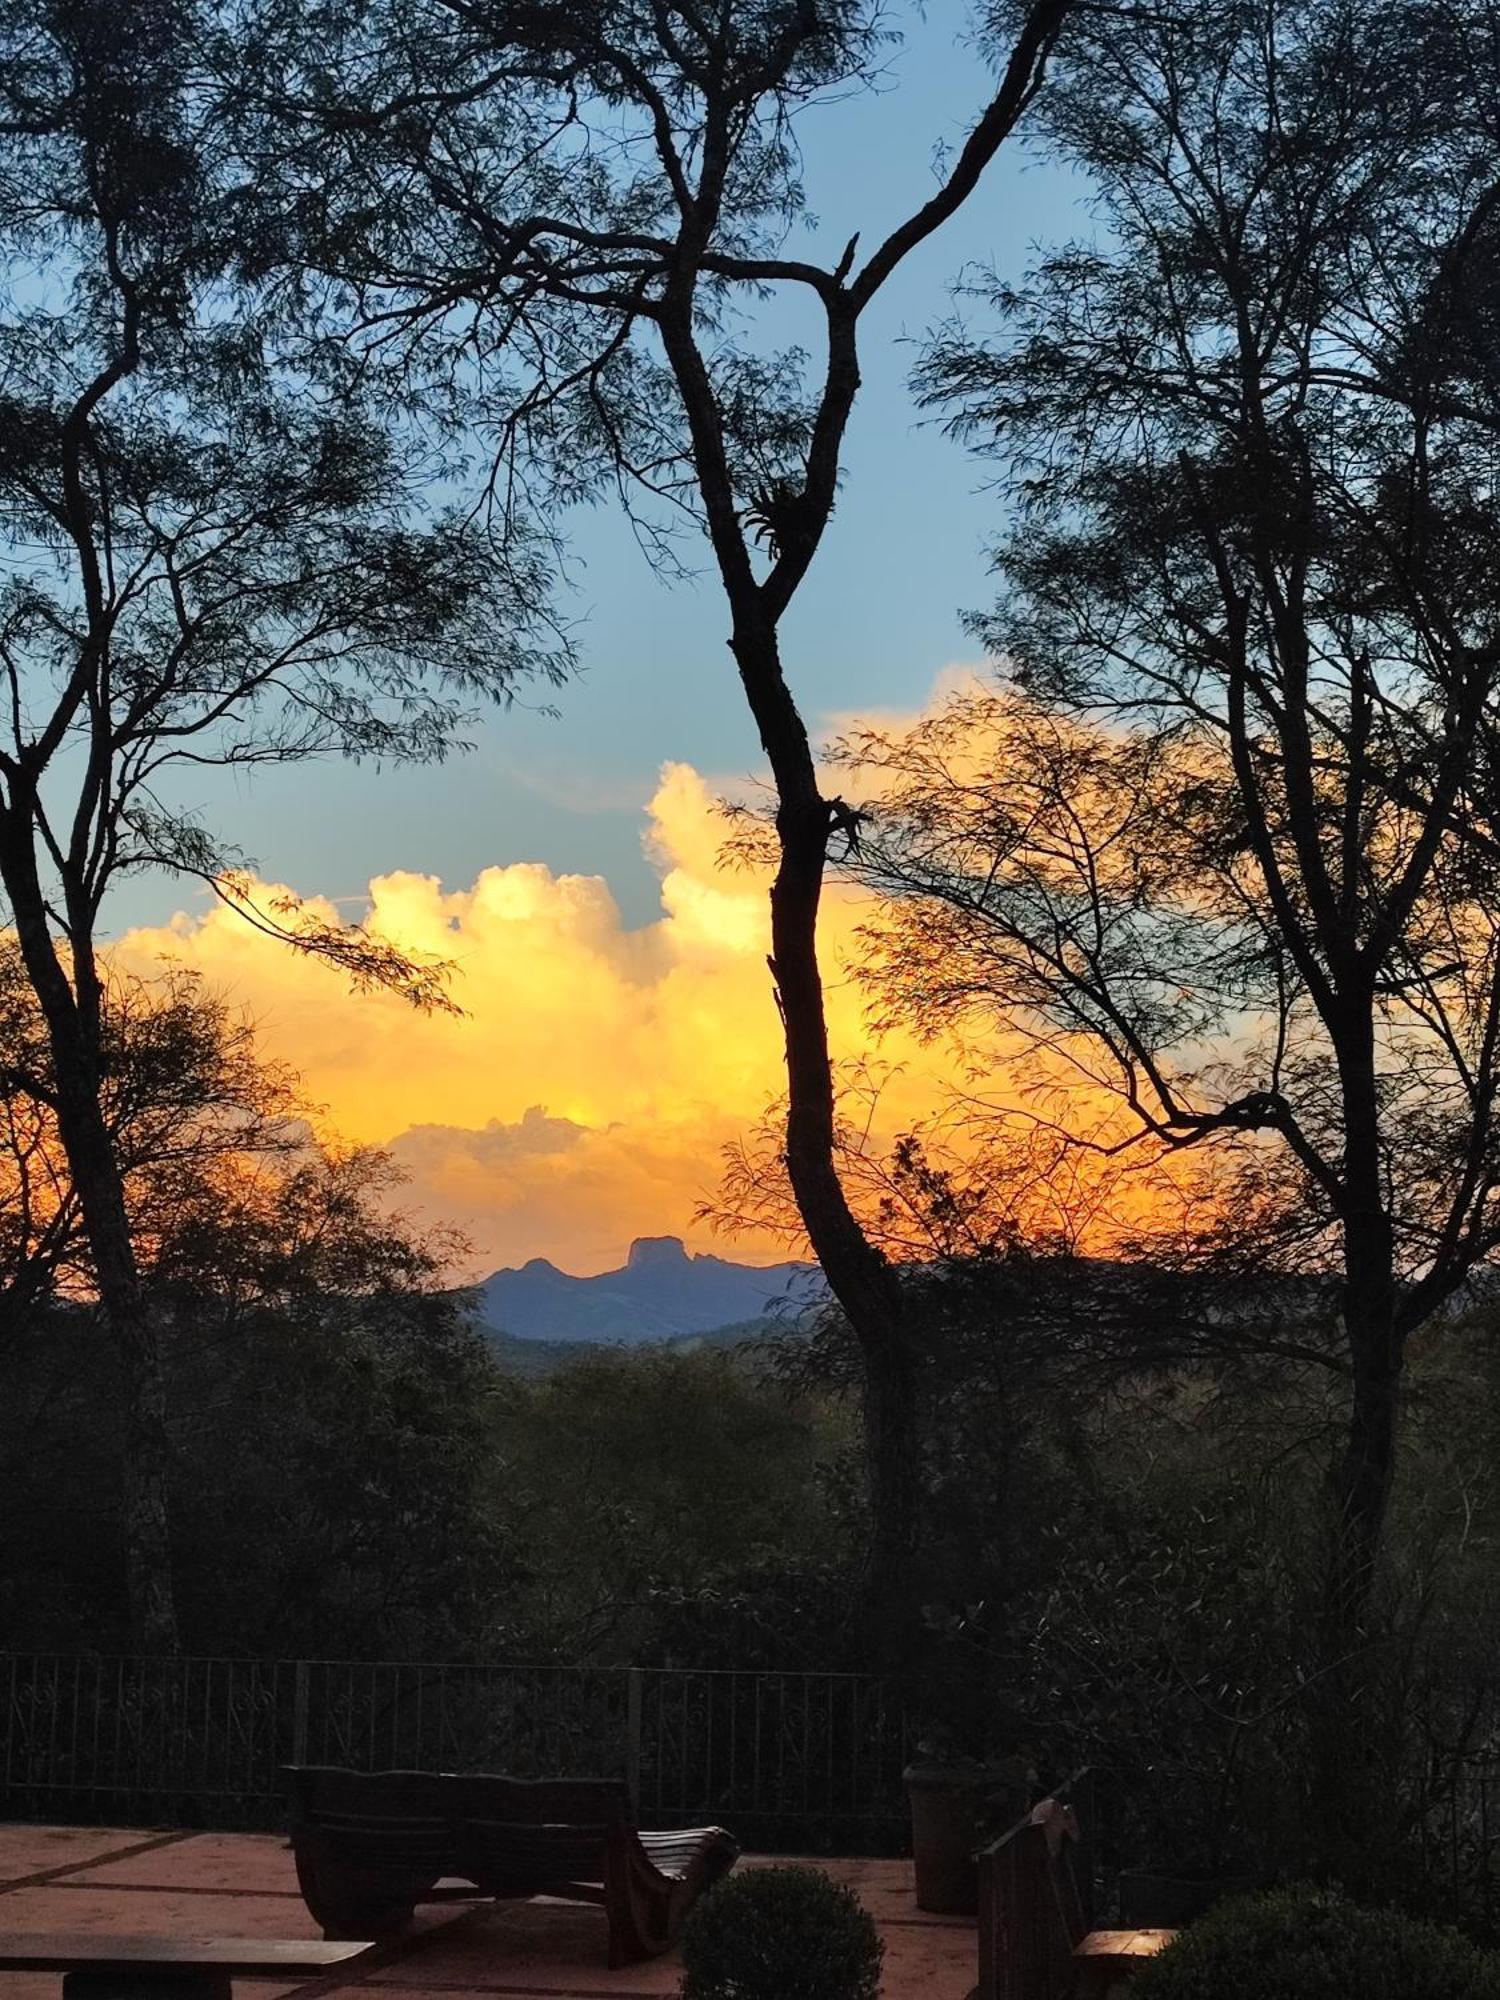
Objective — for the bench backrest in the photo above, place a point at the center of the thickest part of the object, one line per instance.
(1033, 1903)
(517, 1830)
(505, 1832)
(381, 1818)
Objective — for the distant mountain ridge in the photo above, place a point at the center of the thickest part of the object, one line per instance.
(659, 1293)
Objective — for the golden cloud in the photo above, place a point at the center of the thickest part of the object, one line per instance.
(583, 1095)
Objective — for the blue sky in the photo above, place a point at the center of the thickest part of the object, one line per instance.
(878, 617)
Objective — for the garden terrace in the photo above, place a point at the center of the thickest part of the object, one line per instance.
(122, 1881)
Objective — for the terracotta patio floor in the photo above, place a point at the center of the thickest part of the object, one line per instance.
(243, 1885)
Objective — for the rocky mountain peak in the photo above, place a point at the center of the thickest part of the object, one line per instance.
(656, 1253)
(661, 1292)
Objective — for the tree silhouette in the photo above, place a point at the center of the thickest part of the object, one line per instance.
(190, 1106)
(1231, 847)
(218, 555)
(568, 215)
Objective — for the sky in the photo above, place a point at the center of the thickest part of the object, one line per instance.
(618, 1027)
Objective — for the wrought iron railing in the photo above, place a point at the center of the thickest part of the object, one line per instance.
(791, 1761)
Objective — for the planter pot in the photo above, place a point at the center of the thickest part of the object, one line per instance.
(1150, 1901)
(944, 1801)
(950, 1804)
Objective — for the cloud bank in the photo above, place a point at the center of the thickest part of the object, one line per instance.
(584, 1094)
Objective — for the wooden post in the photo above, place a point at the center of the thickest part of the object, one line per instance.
(633, 1739)
(1079, 1793)
(300, 1679)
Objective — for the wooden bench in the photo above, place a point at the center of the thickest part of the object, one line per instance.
(370, 1847)
(168, 1968)
(1036, 1941)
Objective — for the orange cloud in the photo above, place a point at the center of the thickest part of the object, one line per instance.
(584, 1094)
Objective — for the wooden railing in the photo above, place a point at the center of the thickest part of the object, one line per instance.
(1026, 1935)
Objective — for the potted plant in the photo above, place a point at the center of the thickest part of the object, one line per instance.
(956, 1803)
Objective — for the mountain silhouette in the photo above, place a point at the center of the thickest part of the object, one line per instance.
(660, 1293)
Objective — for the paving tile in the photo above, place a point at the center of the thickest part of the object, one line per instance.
(25, 1850)
(884, 1887)
(540, 1947)
(930, 1961)
(86, 1906)
(48, 1986)
(228, 1862)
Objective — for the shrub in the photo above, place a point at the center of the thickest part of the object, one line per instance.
(780, 1934)
(1307, 1944)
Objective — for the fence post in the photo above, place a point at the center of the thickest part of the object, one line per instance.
(1080, 1794)
(301, 1676)
(633, 1738)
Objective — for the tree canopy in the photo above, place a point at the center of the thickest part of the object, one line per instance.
(1228, 847)
(226, 553)
(565, 220)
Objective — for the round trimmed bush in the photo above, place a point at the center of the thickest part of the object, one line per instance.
(1308, 1944)
(780, 1934)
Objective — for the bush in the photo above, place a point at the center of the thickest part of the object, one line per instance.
(780, 1934)
(1308, 1944)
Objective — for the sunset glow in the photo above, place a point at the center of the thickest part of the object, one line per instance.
(583, 1095)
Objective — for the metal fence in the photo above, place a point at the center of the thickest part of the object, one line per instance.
(792, 1762)
(807, 1762)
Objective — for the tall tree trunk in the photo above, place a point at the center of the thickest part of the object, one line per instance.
(858, 1274)
(1365, 1471)
(132, 1327)
(1352, 1760)
(101, 1198)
